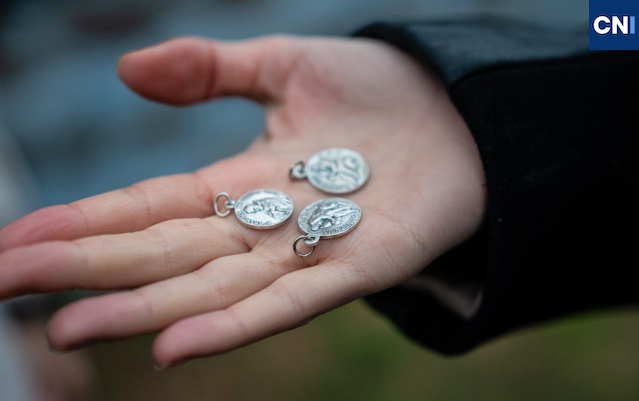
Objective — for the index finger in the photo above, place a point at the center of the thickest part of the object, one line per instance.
(124, 210)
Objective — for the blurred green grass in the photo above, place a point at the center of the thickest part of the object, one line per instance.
(354, 354)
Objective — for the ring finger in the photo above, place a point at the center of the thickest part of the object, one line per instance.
(217, 285)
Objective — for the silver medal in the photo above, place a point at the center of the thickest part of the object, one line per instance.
(260, 209)
(336, 170)
(326, 218)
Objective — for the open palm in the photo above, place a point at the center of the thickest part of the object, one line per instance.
(210, 284)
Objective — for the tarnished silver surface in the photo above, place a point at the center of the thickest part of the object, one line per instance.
(329, 218)
(326, 218)
(336, 170)
(263, 208)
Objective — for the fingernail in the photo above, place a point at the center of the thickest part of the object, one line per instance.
(159, 367)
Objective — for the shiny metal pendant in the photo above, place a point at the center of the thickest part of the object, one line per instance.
(260, 209)
(326, 218)
(336, 171)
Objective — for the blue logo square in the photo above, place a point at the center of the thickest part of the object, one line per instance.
(613, 25)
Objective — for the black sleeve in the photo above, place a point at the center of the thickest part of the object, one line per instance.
(556, 126)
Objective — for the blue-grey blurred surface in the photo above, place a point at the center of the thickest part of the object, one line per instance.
(15, 375)
(84, 133)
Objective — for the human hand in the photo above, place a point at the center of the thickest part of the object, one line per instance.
(209, 284)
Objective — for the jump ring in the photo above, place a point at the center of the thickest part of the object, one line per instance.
(226, 204)
(296, 171)
(298, 253)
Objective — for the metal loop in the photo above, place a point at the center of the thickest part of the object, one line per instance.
(229, 204)
(296, 171)
(313, 244)
(310, 241)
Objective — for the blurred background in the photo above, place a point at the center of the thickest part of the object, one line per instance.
(69, 129)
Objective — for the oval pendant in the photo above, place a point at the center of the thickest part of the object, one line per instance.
(260, 209)
(336, 170)
(326, 218)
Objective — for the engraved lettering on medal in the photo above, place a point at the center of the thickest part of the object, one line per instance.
(263, 208)
(326, 218)
(330, 217)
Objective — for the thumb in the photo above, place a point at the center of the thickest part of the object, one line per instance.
(189, 70)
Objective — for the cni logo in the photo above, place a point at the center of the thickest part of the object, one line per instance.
(612, 25)
(604, 25)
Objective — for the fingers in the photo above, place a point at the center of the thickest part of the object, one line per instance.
(215, 286)
(189, 70)
(124, 210)
(287, 303)
(118, 261)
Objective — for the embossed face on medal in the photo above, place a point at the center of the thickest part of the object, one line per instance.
(263, 208)
(337, 170)
(329, 217)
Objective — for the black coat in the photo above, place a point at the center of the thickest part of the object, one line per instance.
(557, 127)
